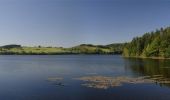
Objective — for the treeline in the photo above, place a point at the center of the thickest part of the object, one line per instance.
(81, 49)
(98, 49)
(11, 46)
(152, 44)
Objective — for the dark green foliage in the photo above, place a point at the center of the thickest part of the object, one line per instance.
(11, 46)
(167, 52)
(154, 44)
(97, 49)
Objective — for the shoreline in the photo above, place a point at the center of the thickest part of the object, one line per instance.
(61, 54)
(135, 57)
(159, 58)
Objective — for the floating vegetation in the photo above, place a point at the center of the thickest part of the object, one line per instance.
(59, 84)
(56, 81)
(103, 82)
(91, 73)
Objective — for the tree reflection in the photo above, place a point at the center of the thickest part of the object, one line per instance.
(159, 70)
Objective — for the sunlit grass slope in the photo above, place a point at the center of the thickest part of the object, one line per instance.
(81, 49)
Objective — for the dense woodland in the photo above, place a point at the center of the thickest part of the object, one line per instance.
(153, 44)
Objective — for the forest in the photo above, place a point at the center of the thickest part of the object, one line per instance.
(151, 44)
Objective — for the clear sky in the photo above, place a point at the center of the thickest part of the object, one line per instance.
(72, 22)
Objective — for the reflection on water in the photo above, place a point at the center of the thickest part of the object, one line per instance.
(158, 70)
(53, 78)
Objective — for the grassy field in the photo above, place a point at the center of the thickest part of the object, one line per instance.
(81, 49)
(32, 50)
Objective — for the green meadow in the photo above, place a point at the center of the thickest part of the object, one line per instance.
(81, 49)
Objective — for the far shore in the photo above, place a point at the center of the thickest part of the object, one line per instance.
(62, 54)
(135, 57)
(161, 58)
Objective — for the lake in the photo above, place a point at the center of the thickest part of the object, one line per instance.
(83, 77)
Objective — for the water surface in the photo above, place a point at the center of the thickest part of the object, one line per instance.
(53, 77)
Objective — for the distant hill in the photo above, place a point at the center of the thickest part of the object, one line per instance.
(97, 49)
(11, 46)
(152, 44)
(80, 49)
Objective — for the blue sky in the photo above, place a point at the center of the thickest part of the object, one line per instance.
(72, 22)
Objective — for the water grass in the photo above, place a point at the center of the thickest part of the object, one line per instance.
(104, 82)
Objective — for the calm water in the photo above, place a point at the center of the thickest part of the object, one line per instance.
(26, 77)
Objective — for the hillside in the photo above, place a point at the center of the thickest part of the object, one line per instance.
(97, 49)
(81, 49)
(152, 44)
